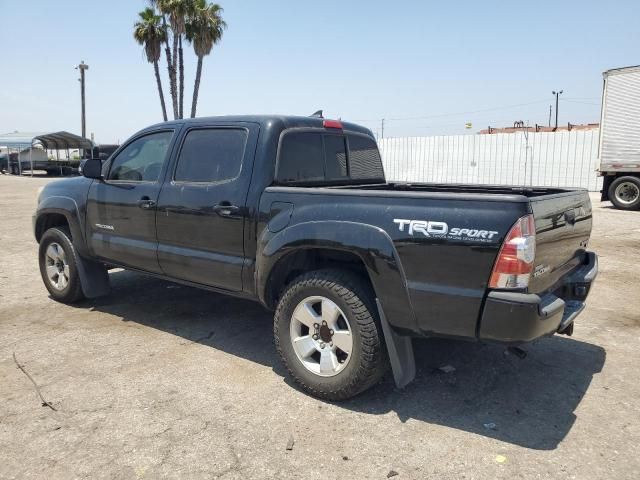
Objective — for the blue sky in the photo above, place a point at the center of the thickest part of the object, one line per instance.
(421, 65)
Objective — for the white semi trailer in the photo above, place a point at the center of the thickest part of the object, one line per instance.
(620, 137)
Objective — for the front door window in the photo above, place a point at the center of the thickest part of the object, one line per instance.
(142, 159)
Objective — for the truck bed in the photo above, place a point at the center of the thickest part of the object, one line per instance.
(447, 276)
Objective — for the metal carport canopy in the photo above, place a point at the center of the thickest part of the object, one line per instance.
(49, 141)
(62, 140)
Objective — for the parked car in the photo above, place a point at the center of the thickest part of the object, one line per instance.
(295, 213)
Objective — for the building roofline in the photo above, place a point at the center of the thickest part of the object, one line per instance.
(613, 71)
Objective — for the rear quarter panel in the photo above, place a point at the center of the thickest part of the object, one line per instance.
(445, 275)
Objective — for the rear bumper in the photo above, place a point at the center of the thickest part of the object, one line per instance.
(510, 317)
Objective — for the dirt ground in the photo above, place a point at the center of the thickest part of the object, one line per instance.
(164, 381)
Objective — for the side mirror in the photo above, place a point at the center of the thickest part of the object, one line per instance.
(92, 168)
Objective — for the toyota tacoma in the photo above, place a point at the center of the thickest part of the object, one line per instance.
(295, 213)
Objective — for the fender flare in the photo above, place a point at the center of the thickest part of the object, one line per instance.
(370, 243)
(67, 207)
(94, 279)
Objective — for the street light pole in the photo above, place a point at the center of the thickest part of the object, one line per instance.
(82, 67)
(557, 94)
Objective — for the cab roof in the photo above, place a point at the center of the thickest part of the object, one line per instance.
(270, 121)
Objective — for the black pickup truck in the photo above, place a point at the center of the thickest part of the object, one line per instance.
(295, 212)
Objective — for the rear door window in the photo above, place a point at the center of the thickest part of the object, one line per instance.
(211, 155)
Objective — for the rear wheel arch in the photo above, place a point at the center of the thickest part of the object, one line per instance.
(370, 247)
(298, 262)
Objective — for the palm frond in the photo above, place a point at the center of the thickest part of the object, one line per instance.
(148, 32)
(205, 27)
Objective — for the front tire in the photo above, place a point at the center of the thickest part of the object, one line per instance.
(624, 193)
(328, 335)
(58, 265)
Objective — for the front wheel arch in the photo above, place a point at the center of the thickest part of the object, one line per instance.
(50, 220)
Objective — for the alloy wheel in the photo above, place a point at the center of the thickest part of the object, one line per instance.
(321, 336)
(57, 267)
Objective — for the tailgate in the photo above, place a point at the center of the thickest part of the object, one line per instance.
(563, 226)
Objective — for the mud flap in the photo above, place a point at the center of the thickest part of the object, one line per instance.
(400, 349)
(94, 278)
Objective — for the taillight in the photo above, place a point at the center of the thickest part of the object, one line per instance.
(515, 261)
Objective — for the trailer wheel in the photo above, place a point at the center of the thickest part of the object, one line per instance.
(328, 336)
(624, 193)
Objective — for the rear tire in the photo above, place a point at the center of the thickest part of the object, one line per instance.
(624, 193)
(58, 265)
(321, 367)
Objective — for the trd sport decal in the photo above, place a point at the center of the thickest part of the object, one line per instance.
(442, 230)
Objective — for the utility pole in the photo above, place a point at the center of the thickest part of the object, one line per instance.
(382, 129)
(82, 67)
(557, 94)
(550, 108)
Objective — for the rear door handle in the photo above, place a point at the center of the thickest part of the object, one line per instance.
(146, 203)
(226, 210)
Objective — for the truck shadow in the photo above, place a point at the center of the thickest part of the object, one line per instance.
(530, 402)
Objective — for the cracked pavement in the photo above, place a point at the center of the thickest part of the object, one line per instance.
(164, 381)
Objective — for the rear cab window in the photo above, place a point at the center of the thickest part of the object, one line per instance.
(364, 158)
(301, 158)
(321, 157)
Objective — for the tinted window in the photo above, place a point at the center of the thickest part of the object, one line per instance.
(142, 159)
(364, 158)
(317, 156)
(301, 158)
(211, 155)
(335, 157)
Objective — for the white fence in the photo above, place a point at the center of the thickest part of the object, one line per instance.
(560, 159)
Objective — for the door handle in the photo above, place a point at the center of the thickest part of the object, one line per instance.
(146, 203)
(226, 210)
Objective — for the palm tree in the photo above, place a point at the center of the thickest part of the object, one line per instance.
(170, 67)
(204, 29)
(148, 32)
(177, 11)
